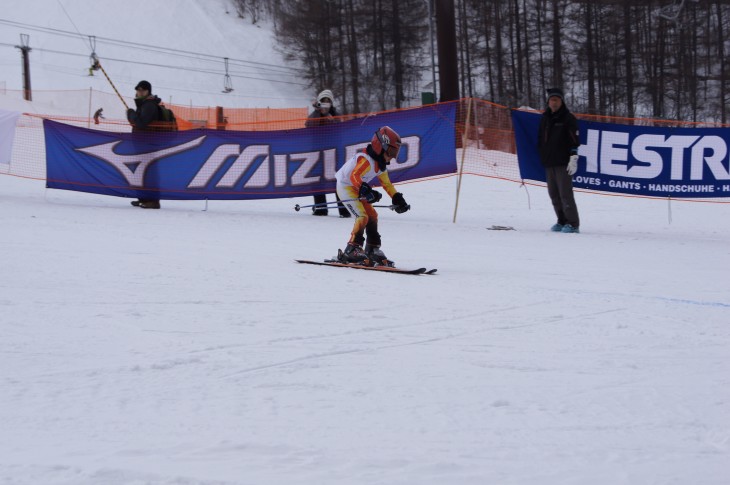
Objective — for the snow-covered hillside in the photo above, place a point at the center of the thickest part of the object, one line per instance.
(187, 347)
(61, 61)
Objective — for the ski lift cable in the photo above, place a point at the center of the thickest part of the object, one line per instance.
(193, 55)
(139, 46)
(242, 75)
(71, 72)
(275, 70)
(168, 66)
(72, 23)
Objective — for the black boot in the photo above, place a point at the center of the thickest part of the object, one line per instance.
(149, 204)
(146, 204)
(353, 254)
(376, 255)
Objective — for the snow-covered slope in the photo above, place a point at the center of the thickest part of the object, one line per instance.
(187, 347)
(209, 27)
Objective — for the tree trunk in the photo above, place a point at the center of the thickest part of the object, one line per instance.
(557, 50)
(499, 52)
(520, 85)
(721, 57)
(590, 53)
(397, 59)
(488, 51)
(628, 54)
(354, 62)
(341, 57)
(540, 7)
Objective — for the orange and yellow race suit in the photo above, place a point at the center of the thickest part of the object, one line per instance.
(360, 168)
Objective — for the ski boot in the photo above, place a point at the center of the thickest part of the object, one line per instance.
(353, 254)
(377, 256)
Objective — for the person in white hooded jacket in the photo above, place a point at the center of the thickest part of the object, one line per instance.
(324, 114)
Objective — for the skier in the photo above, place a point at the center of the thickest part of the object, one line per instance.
(353, 183)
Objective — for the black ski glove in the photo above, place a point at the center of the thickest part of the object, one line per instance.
(400, 203)
(370, 195)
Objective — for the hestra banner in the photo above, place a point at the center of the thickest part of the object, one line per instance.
(211, 164)
(637, 160)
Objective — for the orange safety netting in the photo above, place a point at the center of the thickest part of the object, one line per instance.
(484, 133)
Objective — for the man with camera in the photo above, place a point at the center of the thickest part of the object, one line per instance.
(324, 114)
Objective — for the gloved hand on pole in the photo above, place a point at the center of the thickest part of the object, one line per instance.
(371, 196)
(399, 203)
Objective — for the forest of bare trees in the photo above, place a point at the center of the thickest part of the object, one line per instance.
(647, 58)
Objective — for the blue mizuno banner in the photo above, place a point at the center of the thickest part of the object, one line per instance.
(637, 160)
(212, 164)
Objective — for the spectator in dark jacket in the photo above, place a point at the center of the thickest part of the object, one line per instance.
(324, 114)
(143, 119)
(558, 145)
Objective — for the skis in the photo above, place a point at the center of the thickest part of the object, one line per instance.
(385, 269)
(501, 228)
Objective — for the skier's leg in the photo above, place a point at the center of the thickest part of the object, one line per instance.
(353, 251)
(554, 193)
(371, 228)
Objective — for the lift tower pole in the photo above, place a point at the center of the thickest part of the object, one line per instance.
(25, 49)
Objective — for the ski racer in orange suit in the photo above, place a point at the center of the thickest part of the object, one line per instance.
(353, 182)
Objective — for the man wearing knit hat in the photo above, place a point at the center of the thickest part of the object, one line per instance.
(558, 146)
(143, 119)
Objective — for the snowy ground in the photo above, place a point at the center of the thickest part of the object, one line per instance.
(184, 346)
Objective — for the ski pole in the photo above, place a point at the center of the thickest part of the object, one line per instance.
(113, 86)
(322, 204)
(329, 204)
(391, 207)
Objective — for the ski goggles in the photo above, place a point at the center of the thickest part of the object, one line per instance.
(390, 149)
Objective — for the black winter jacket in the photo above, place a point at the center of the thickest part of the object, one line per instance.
(148, 111)
(316, 118)
(558, 137)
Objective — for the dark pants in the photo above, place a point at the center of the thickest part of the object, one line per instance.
(322, 199)
(560, 189)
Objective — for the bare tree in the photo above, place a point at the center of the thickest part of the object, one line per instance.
(613, 57)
